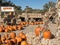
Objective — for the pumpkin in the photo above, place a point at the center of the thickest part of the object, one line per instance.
(1, 30)
(6, 36)
(37, 30)
(21, 33)
(28, 44)
(8, 42)
(41, 22)
(24, 23)
(47, 34)
(14, 27)
(14, 41)
(3, 39)
(19, 39)
(32, 23)
(6, 30)
(19, 27)
(9, 28)
(23, 37)
(23, 43)
(0, 37)
(12, 35)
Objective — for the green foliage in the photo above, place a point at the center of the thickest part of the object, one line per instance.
(28, 9)
(48, 5)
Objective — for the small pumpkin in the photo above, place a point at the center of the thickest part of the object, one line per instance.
(14, 27)
(19, 27)
(10, 28)
(6, 36)
(1, 30)
(6, 30)
(23, 37)
(21, 33)
(8, 42)
(47, 34)
(19, 39)
(0, 38)
(23, 43)
(14, 41)
(3, 39)
(12, 35)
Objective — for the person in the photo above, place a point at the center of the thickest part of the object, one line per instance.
(14, 21)
(9, 17)
(5, 19)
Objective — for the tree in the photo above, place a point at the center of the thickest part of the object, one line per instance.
(48, 5)
(18, 10)
(28, 9)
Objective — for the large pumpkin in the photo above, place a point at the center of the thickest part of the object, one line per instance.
(47, 34)
(23, 43)
(12, 35)
(37, 30)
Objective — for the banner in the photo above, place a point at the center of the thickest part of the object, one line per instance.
(7, 9)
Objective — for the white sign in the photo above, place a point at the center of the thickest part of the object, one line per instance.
(7, 9)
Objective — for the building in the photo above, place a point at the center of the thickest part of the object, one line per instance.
(31, 16)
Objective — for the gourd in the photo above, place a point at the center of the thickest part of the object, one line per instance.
(47, 34)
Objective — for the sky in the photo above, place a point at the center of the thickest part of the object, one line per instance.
(35, 4)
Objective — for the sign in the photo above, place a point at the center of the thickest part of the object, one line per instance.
(7, 9)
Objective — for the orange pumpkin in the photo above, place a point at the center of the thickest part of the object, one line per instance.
(23, 43)
(1, 30)
(19, 39)
(6, 36)
(14, 41)
(28, 44)
(19, 27)
(23, 37)
(24, 23)
(32, 23)
(37, 30)
(3, 39)
(14, 27)
(8, 42)
(21, 33)
(0, 37)
(6, 30)
(10, 28)
(47, 34)
(12, 35)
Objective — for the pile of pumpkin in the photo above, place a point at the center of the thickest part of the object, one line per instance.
(12, 39)
(30, 23)
(43, 33)
(8, 28)
(35, 23)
